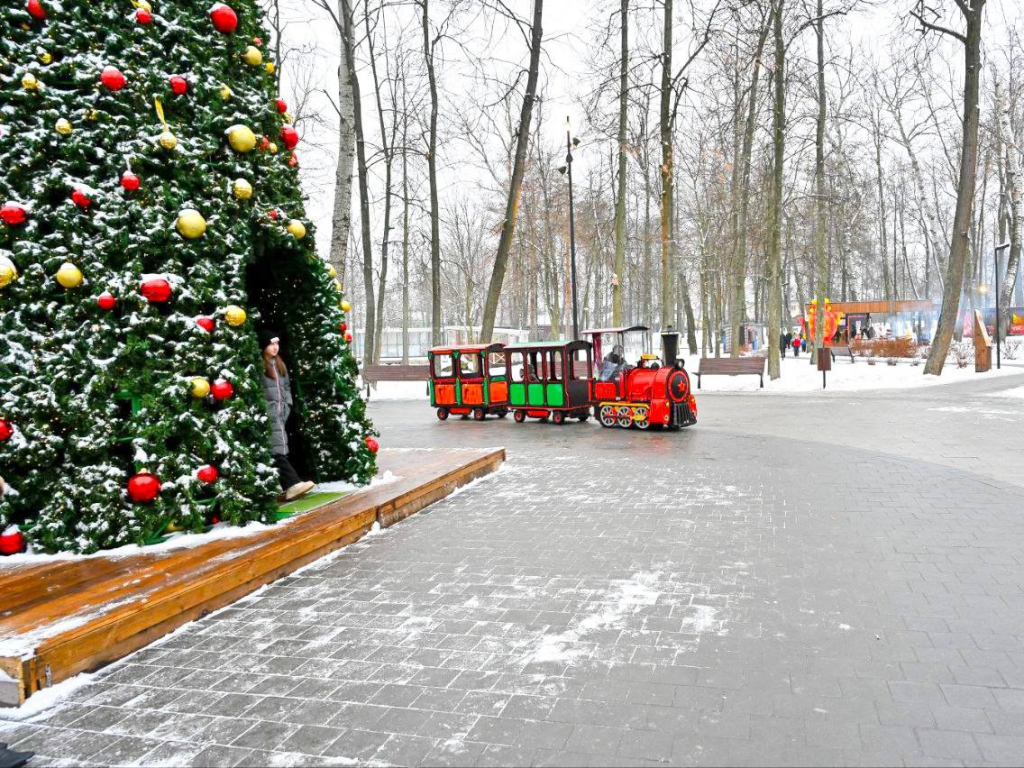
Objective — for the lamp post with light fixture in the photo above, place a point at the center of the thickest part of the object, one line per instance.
(566, 169)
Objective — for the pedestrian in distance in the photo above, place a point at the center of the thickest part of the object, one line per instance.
(278, 393)
(796, 346)
(783, 342)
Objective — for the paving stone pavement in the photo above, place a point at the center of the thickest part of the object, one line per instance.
(794, 581)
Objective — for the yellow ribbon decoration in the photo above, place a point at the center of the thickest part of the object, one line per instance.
(160, 113)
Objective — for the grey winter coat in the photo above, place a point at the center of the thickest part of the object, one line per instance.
(278, 393)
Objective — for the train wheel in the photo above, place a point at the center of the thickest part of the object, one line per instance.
(520, 417)
(479, 414)
(558, 417)
(607, 416)
(642, 417)
(442, 414)
(624, 416)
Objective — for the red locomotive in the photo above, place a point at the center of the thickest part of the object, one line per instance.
(650, 394)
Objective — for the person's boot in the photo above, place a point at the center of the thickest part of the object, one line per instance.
(299, 489)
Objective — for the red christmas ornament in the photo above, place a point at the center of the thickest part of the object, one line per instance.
(206, 323)
(12, 541)
(130, 181)
(293, 161)
(257, 41)
(222, 390)
(106, 301)
(179, 85)
(80, 199)
(143, 488)
(6, 430)
(348, 336)
(343, 327)
(207, 474)
(224, 19)
(282, 105)
(273, 214)
(13, 214)
(113, 78)
(156, 290)
(372, 444)
(143, 16)
(36, 10)
(290, 137)
(265, 143)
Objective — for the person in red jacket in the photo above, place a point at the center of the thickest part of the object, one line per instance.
(796, 345)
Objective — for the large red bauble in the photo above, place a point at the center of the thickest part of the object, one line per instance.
(156, 289)
(222, 390)
(113, 78)
(6, 430)
(106, 301)
(130, 181)
(36, 9)
(12, 543)
(179, 85)
(13, 214)
(207, 474)
(81, 199)
(143, 488)
(224, 19)
(206, 323)
(282, 105)
(290, 137)
(143, 16)
(372, 444)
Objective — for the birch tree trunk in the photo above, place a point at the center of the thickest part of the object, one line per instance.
(341, 216)
(774, 286)
(965, 187)
(1013, 163)
(435, 215)
(518, 169)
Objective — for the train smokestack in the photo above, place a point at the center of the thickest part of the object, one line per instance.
(670, 347)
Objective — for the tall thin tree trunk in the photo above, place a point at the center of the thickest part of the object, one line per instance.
(620, 199)
(388, 148)
(1015, 211)
(341, 215)
(667, 175)
(965, 189)
(821, 264)
(518, 169)
(775, 213)
(435, 215)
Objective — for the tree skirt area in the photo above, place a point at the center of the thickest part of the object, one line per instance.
(323, 494)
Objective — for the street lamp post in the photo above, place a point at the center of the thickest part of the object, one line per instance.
(999, 354)
(569, 144)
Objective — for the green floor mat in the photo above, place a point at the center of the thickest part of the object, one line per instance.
(307, 503)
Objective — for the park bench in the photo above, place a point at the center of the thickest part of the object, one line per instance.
(374, 374)
(731, 366)
(843, 351)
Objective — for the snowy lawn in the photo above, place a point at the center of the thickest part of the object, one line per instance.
(798, 375)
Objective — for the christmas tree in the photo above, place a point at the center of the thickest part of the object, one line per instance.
(151, 221)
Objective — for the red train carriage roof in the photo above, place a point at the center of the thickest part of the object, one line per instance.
(547, 345)
(496, 347)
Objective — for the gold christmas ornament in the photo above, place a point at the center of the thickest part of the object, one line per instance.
(337, 286)
(69, 275)
(64, 128)
(92, 114)
(234, 316)
(242, 189)
(190, 224)
(29, 82)
(252, 56)
(345, 306)
(272, 147)
(45, 57)
(241, 138)
(8, 272)
(225, 92)
(296, 229)
(270, 67)
(288, 117)
(199, 387)
(168, 140)
(331, 270)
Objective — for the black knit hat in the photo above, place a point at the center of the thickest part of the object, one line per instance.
(266, 337)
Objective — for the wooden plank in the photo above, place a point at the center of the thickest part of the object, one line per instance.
(128, 602)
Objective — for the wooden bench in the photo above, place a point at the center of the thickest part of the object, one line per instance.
(374, 374)
(843, 351)
(731, 366)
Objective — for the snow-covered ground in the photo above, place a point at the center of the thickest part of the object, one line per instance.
(798, 375)
(1017, 393)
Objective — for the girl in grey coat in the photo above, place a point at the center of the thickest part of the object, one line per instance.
(278, 393)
